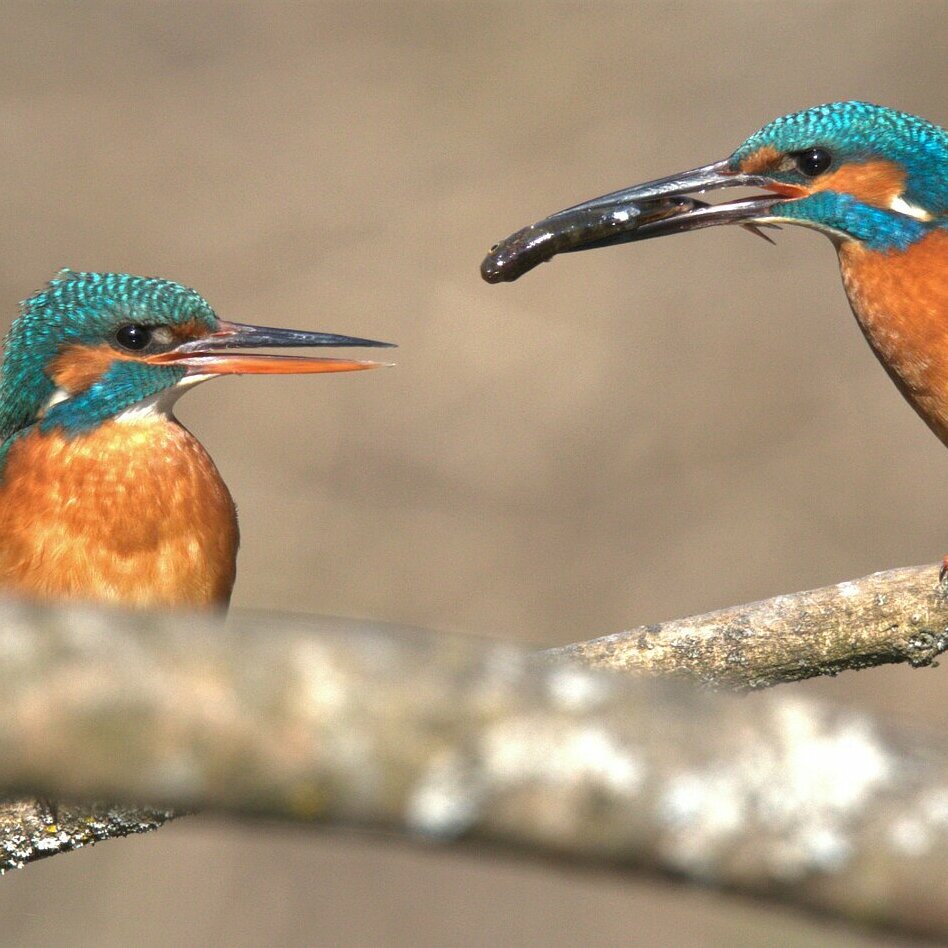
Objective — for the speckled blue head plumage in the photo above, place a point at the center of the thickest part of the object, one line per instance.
(87, 309)
(855, 132)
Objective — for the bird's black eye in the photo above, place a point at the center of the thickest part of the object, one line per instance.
(813, 161)
(133, 337)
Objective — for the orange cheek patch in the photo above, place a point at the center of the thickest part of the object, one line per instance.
(193, 329)
(763, 160)
(78, 367)
(872, 182)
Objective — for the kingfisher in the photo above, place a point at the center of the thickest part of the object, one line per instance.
(104, 495)
(872, 179)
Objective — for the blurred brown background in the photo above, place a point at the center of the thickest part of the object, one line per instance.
(621, 437)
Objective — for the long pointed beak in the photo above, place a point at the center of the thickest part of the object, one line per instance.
(208, 355)
(654, 209)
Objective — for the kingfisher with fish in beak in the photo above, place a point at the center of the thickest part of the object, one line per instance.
(872, 179)
(104, 496)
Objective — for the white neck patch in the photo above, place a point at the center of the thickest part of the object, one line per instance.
(901, 206)
(60, 395)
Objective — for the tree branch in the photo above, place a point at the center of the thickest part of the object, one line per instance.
(900, 615)
(33, 829)
(450, 739)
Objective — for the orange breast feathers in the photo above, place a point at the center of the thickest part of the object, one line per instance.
(133, 513)
(901, 303)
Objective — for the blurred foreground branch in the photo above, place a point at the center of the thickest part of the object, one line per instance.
(447, 738)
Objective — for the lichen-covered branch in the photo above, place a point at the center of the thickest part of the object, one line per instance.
(900, 615)
(33, 829)
(450, 739)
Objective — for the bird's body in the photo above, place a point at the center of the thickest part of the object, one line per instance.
(133, 512)
(900, 299)
(104, 495)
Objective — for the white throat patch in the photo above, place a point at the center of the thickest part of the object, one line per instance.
(161, 406)
(155, 407)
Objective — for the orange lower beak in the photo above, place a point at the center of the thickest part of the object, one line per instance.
(253, 364)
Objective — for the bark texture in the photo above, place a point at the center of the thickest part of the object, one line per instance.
(899, 615)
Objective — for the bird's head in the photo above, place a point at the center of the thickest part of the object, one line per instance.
(852, 170)
(90, 346)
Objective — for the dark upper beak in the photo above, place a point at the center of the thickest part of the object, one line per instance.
(208, 355)
(653, 209)
(245, 336)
